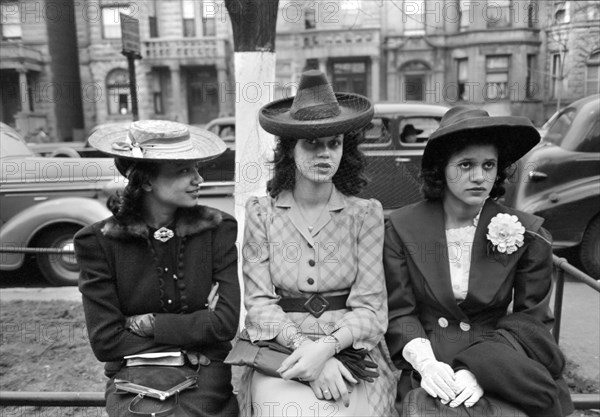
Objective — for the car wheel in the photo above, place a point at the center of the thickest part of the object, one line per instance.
(65, 153)
(590, 248)
(58, 269)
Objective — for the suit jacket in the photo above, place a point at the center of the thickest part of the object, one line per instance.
(120, 277)
(421, 301)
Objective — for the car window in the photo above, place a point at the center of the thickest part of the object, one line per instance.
(427, 125)
(377, 133)
(557, 130)
(591, 141)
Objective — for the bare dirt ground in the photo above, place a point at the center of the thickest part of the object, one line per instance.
(44, 347)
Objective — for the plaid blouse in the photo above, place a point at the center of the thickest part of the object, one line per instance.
(342, 254)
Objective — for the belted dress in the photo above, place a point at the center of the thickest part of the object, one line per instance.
(341, 255)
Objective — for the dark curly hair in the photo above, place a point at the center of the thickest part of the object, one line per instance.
(128, 204)
(349, 178)
(434, 177)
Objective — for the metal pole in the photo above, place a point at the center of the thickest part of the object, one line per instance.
(132, 85)
(558, 300)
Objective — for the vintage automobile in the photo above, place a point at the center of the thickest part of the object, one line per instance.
(559, 180)
(44, 201)
(394, 163)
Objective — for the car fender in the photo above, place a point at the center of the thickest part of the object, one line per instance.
(20, 229)
(556, 206)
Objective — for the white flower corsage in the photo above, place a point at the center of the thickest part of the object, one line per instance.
(506, 233)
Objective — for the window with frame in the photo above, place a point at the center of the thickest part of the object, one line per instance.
(188, 11)
(561, 12)
(592, 74)
(413, 17)
(111, 20)
(310, 18)
(152, 20)
(532, 13)
(498, 13)
(118, 97)
(496, 77)
(350, 77)
(461, 78)
(377, 133)
(530, 86)
(556, 72)
(465, 14)
(209, 21)
(10, 20)
(428, 125)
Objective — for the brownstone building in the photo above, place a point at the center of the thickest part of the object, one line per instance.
(62, 69)
(39, 77)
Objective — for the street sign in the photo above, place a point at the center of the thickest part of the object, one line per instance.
(130, 34)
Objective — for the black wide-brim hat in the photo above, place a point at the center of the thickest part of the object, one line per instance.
(315, 111)
(513, 136)
(157, 140)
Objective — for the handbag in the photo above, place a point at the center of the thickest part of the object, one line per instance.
(267, 356)
(156, 386)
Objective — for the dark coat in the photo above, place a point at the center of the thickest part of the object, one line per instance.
(521, 363)
(119, 278)
(421, 301)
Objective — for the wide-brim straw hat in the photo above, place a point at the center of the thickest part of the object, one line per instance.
(315, 111)
(513, 136)
(157, 140)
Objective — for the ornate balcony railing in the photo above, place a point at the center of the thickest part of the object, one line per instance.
(16, 54)
(203, 49)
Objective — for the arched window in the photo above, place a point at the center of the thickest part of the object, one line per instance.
(592, 73)
(414, 74)
(118, 95)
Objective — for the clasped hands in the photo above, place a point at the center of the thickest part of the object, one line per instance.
(314, 363)
(143, 324)
(456, 388)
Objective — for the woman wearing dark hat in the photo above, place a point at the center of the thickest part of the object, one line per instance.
(410, 134)
(456, 264)
(159, 278)
(313, 269)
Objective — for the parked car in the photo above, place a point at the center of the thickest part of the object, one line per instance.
(559, 180)
(44, 201)
(393, 163)
(224, 127)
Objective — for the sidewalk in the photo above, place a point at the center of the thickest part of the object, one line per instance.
(579, 335)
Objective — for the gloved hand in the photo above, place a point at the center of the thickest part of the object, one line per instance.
(437, 378)
(469, 391)
(141, 325)
(355, 361)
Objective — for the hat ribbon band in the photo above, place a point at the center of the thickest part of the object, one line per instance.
(180, 144)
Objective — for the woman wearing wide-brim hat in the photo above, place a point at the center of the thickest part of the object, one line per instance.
(312, 265)
(456, 264)
(160, 275)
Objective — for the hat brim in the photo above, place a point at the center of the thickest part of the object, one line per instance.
(205, 145)
(514, 136)
(355, 112)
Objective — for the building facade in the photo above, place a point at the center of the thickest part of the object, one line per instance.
(62, 69)
(39, 76)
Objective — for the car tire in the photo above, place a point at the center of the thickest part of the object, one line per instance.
(65, 153)
(59, 270)
(590, 248)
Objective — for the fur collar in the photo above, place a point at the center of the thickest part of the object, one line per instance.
(189, 221)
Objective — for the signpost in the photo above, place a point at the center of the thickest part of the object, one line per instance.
(130, 34)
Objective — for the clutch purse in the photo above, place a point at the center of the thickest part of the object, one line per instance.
(266, 357)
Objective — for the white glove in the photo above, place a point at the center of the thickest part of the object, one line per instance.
(469, 390)
(437, 378)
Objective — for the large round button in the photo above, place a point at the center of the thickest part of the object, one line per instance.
(310, 281)
(311, 262)
(465, 327)
(443, 322)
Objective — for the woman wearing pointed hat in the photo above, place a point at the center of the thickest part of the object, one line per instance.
(312, 266)
(454, 265)
(160, 275)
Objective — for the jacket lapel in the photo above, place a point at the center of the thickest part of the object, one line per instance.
(286, 200)
(489, 269)
(425, 240)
